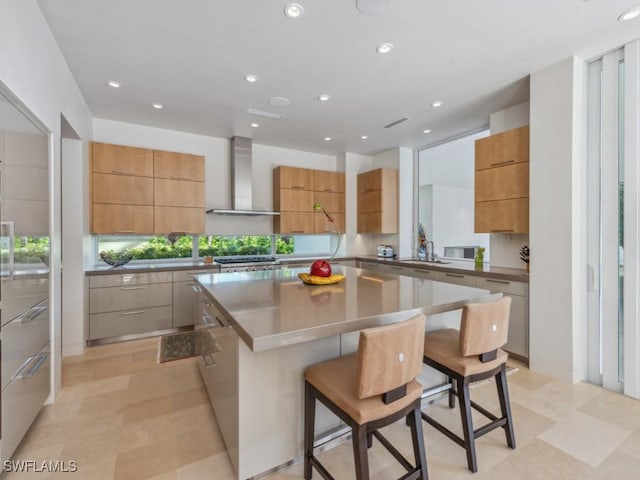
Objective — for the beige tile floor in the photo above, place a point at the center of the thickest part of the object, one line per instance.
(121, 415)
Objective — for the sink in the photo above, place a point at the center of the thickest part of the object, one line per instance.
(420, 262)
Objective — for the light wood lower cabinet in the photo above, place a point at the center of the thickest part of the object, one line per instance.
(122, 219)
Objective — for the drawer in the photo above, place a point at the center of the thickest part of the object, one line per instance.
(142, 320)
(19, 295)
(187, 275)
(113, 299)
(505, 286)
(423, 273)
(22, 400)
(22, 338)
(126, 279)
(457, 278)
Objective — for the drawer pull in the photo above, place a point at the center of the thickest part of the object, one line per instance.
(206, 319)
(454, 275)
(208, 360)
(122, 172)
(33, 370)
(35, 312)
(497, 281)
(196, 288)
(124, 231)
(222, 321)
(135, 312)
(396, 268)
(297, 187)
(177, 177)
(506, 162)
(131, 288)
(425, 272)
(508, 230)
(331, 190)
(297, 231)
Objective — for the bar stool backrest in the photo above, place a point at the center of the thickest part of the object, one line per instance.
(390, 356)
(484, 326)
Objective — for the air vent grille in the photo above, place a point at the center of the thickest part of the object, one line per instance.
(397, 122)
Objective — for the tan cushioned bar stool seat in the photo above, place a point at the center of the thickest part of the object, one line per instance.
(443, 346)
(337, 380)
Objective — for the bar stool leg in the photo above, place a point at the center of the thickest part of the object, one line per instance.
(360, 451)
(505, 406)
(309, 427)
(415, 422)
(467, 423)
(452, 398)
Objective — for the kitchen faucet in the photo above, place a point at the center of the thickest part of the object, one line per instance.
(430, 256)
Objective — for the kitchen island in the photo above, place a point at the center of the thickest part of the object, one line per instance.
(269, 327)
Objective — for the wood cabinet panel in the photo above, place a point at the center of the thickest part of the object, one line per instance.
(185, 220)
(369, 181)
(502, 216)
(178, 193)
(327, 181)
(123, 189)
(288, 222)
(370, 202)
(332, 202)
(322, 224)
(369, 222)
(378, 195)
(293, 178)
(503, 148)
(294, 201)
(178, 166)
(119, 159)
(501, 183)
(122, 219)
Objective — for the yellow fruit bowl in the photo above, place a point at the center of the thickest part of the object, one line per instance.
(316, 280)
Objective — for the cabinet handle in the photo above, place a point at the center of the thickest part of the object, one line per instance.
(506, 162)
(369, 190)
(331, 190)
(197, 289)
(297, 187)
(30, 317)
(135, 312)
(454, 275)
(508, 230)
(426, 272)
(208, 360)
(32, 371)
(176, 177)
(124, 231)
(122, 172)
(297, 231)
(396, 268)
(206, 319)
(131, 288)
(497, 281)
(222, 322)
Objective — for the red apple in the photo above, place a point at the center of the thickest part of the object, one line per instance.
(321, 268)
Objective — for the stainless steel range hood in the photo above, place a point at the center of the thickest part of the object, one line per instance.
(241, 182)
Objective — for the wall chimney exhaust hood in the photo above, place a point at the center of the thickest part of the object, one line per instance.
(241, 182)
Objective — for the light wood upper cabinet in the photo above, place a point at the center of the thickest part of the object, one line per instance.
(121, 160)
(122, 219)
(178, 166)
(293, 222)
(322, 224)
(122, 189)
(178, 220)
(177, 193)
(294, 178)
(502, 182)
(378, 201)
(503, 148)
(326, 181)
(294, 201)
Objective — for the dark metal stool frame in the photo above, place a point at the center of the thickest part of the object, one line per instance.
(462, 391)
(362, 437)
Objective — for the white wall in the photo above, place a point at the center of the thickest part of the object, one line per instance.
(555, 320)
(33, 68)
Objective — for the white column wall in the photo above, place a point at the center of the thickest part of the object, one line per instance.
(33, 68)
(557, 267)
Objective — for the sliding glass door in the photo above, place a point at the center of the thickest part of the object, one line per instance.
(612, 225)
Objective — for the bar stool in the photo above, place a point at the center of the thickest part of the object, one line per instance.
(368, 390)
(469, 355)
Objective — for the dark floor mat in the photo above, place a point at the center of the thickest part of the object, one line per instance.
(180, 345)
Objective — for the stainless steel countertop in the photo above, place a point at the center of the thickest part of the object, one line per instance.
(273, 308)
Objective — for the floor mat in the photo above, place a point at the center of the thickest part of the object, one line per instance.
(179, 345)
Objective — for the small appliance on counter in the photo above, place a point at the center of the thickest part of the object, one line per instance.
(385, 251)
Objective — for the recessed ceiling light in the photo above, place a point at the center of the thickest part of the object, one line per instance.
(251, 78)
(279, 101)
(324, 97)
(364, 137)
(293, 10)
(437, 103)
(384, 48)
(157, 106)
(629, 15)
(113, 83)
(255, 125)
(327, 139)
(426, 131)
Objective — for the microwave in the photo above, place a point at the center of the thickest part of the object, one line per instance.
(461, 252)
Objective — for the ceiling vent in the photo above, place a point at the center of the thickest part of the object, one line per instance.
(397, 122)
(262, 113)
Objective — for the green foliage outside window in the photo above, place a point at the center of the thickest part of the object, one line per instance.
(160, 247)
(28, 250)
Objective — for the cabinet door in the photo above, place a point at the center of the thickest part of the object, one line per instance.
(178, 193)
(122, 189)
(332, 202)
(122, 219)
(294, 223)
(184, 301)
(370, 202)
(369, 223)
(501, 183)
(178, 166)
(294, 178)
(322, 224)
(502, 216)
(457, 278)
(178, 220)
(121, 160)
(325, 181)
(295, 201)
(139, 320)
(423, 273)
(503, 148)
(111, 299)
(370, 181)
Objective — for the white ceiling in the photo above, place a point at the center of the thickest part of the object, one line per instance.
(191, 56)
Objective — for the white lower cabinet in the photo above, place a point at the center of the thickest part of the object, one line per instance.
(184, 295)
(457, 278)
